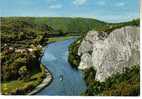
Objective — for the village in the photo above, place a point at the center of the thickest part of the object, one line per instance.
(10, 49)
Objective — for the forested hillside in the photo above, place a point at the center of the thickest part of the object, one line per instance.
(58, 24)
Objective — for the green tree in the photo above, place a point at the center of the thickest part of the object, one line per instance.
(23, 71)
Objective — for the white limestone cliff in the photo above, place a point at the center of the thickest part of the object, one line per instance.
(109, 54)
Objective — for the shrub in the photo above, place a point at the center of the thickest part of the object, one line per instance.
(73, 57)
(23, 71)
(125, 84)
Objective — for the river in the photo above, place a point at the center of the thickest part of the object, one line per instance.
(66, 80)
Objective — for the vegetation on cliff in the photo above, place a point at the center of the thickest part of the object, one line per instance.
(125, 84)
(73, 57)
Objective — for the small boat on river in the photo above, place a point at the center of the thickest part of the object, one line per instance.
(61, 77)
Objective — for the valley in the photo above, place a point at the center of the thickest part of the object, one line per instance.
(34, 48)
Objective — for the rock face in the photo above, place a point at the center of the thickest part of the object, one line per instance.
(86, 61)
(109, 54)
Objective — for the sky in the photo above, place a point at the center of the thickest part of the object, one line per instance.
(105, 10)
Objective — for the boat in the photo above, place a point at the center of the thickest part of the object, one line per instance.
(61, 77)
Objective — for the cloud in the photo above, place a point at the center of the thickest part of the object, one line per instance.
(120, 4)
(79, 2)
(55, 6)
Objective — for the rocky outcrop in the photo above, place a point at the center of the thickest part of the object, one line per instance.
(85, 61)
(109, 54)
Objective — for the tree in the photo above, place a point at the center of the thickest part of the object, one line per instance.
(19, 62)
(60, 32)
(23, 71)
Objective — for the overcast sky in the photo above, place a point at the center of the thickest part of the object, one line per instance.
(106, 10)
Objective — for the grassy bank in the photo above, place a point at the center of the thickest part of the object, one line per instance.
(58, 39)
(125, 84)
(23, 86)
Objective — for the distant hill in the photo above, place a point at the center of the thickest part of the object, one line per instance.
(60, 24)
(37, 29)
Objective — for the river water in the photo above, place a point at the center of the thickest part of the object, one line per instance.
(66, 80)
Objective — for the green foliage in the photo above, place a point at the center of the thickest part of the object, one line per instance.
(22, 87)
(73, 57)
(12, 62)
(30, 26)
(23, 71)
(19, 62)
(125, 84)
(112, 26)
(89, 75)
(70, 25)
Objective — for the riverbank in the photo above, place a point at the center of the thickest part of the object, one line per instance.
(73, 57)
(46, 81)
(59, 39)
(28, 85)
